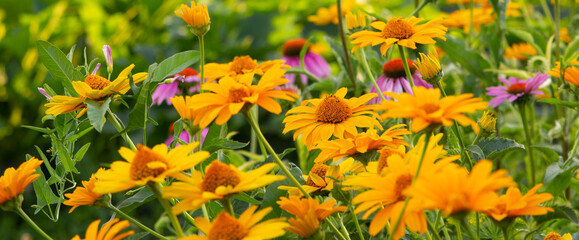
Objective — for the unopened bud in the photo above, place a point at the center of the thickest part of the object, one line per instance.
(108, 57)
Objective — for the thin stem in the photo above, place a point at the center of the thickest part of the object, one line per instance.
(557, 28)
(222, 134)
(468, 230)
(134, 221)
(227, 206)
(505, 233)
(477, 226)
(528, 140)
(406, 68)
(458, 230)
(358, 228)
(433, 229)
(202, 63)
(31, 223)
(345, 45)
(344, 229)
(477, 139)
(417, 9)
(444, 228)
(547, 11)
(120, 128)
(303, 71)
(470, 27)
(335, 229)
(156, 189)
(369, 73)
(269, 149)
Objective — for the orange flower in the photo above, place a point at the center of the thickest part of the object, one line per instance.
(571, 72)
(513, 204)
(83, 195)
(14, 181)
(308, 213)
(520, 51)
(196, 15)
(240, 66)
(109, 230)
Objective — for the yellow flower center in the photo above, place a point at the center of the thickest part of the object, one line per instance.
(397, 28)
(333, 110)
(147, 163)
(219, 174)
(402, 182)
(517, 88)
(97, 82)
(236, 94)
(226, 227)
(317, 169)
(242, 64)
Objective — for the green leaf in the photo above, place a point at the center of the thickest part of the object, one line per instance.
(44, 194)
(554, 101)
(96, 113)
(47, 164)
(471, 60)
(174, 65)
(477, 152)
(546, 152)
(78, 135)
(511, 72)
(557, 179)
(80, 153)
(71, 53)
(272, 194)
(494, 148)
(526, 37)
(42, 130)
(222, 143)
(246, 198)
(59, 66)
(63, 154)
(560, 212)
(142, 196)
(325, 85)
(572, 51)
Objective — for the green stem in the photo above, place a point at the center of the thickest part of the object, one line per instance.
(470, 27)
(120, 128)
(303, 71)
(458, 230)
(344, 230)
(477, 226)
(547, 11)
(227, 206)
(528, 140)
(417, 9)
(557, 28)
(505, 233)
(369, 73)
(428, 135)
(202, 63)
(156, 189)
(342, 33)
(477, 139)
(222, 134)
(31, 223)
(433, 229)
(269, 149)
(335, 229)
(406, 68)
(358, 228)
(134, 221)
(468, 230)
(444, 228)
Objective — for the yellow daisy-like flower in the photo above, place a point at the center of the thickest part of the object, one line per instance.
(513, 204)
(454, 190)
(427, 109)
(325, 16)
(429, 67)
(556, 236)
(520, 51)
(480, 16)
(83, 195)
(195, 16)
(231, 96)
(308, 213)
(355, 21)
(184, 106)
(220, 181)
(240, 66)
(385, 153)
(14, 181)
(404, 32)
(147, 165)
(109, 231)
(319, 119)
(94, 87)
(246, 227)
(564, 35)
(362, 143)
(571, 72)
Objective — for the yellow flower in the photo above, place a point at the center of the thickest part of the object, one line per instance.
(564, 35)
(220, 181)
(520, 51)
(60, 104)
(109, 230)
(147, 165)
(427, 109)
(361, 143)
(571, 72)
(231, 96)
(513, 204)
(325, 16)
(240, 66)
(556, 236)
(246, 227)
(385, 153)
(196, 16)
(308, 213)
(454, 190)
(429, 67)
(14, 181)
(184, 106)
(488, 121)
(355, 21)
(83, 195)
(319, 119)
(404, 32)
(481, 16)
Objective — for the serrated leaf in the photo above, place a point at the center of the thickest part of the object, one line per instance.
(142, 196)
(80, 153)
(42, 130)
(222, 143)
(560, 212)
(477, 152)
(494, 148)
(272, 194)
(554, 101)
(63, 154)
(471, 60)
(58, 65)
(96, 113)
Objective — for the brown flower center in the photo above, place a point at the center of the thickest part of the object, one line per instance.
(333, 110)
(553, 236)
(147, 163)
(395, 68)
(219, 174)
(383, 159)
(402, 182)
(236, 94)
(317, 169)
(226, 227)
(397, 28)
(292, 48)
(430, 108)
(242, 64)
(517, 88)
(97, 82)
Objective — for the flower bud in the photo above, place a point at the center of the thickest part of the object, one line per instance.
(196, 16)
(429, 67)
(108, 57)
(487, 123)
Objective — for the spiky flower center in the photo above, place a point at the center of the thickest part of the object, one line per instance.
(219, 174)
(402, 182)
(395, 68)
(97, 82)
(236, 94)
(517, 88)
(397, 28)
(226, 227)
(333, 110)
(243, 64)
(292, 48)
(147, 163)
(317, 169)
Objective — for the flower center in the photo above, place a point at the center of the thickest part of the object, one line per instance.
(383, 159)
(236, 94)
(188, 72)
(219, 174)
(97, 82)
(553, 236)
(333, 110)
(430, 108)
(147, 163)
(317, 169)
(242, 64)
(402, 182)
(397, 28)
(292, 48)
(226, 227)
(395, 68)
(517, 88)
